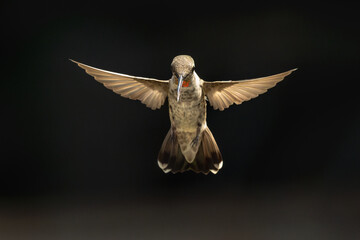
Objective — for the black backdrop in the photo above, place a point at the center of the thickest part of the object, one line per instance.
(290, 155)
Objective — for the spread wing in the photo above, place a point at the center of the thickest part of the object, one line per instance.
(222, 94)
(150, 91)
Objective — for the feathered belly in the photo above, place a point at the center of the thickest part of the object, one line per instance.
(187, 116)
(188, 121)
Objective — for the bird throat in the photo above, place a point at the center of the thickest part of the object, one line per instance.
(185, 83)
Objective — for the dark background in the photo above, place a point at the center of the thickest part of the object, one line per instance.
(79, 161)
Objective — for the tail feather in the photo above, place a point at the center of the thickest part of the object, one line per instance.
(208, 158)
(170, 156)
(209, 154)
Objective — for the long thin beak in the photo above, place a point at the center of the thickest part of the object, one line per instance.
(179, 87)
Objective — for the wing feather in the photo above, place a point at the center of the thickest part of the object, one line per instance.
(222, 94)
(150, 91)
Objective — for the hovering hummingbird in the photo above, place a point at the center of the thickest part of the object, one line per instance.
(189, 144)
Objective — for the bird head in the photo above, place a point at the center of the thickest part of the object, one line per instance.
(182, 67)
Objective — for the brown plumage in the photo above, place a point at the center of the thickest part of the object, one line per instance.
(150, 91)
(189, 144)
(208, 157)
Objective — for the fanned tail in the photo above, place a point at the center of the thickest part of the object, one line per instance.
(208, 158)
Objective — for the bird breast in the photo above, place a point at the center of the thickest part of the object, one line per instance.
(189, 112)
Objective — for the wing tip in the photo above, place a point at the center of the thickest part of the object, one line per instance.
(73, 61)
(282, 75)
(81, 65)
(290, 71)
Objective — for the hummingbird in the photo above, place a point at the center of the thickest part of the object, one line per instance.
(189, 144)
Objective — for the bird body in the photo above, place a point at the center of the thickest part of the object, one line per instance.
(187, 116)
(189, 144)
